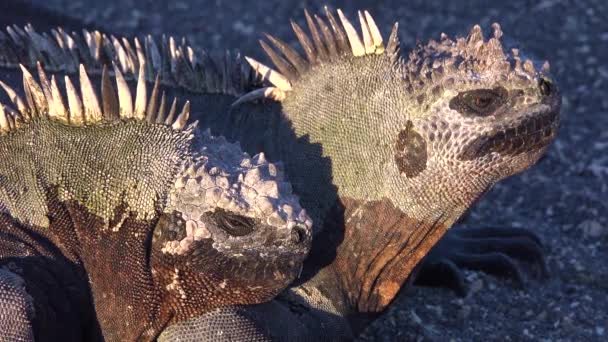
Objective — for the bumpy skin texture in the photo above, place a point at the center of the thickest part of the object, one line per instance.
(386, 154)
(136, 220)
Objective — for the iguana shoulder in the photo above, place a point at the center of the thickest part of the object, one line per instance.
(157, 221)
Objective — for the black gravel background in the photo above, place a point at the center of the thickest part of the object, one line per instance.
(564, 198)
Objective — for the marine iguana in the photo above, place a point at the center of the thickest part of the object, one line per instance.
(386, 152)
(328, 298)
(123, 208)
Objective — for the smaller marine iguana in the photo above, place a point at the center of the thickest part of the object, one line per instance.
(120, 214)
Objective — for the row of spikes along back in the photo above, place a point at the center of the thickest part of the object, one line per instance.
(177, 63)
(44, 99)
(180, 65)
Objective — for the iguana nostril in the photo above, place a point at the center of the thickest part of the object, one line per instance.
(546, 88)
(298, 235)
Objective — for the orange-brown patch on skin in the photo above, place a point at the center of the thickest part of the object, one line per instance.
(189, 292)
(381, 247)
(404, 264)
(133, 290)
(138, 290)
(124, 293)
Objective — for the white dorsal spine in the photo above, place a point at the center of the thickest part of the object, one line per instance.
(47, 101)
(334, 41)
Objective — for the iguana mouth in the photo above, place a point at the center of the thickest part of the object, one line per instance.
(530, 134)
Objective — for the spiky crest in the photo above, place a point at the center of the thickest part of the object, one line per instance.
(325, 47)
(467, 57)
(177, 63)
(45, 100)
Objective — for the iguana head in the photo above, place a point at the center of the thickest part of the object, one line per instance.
(482, 112)
(235, 218)
(411, 142)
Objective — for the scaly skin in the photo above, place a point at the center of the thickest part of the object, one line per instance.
(137, 220)
(366, 144)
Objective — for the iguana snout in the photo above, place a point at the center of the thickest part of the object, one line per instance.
(485, 113)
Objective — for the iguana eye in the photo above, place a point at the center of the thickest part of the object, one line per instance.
(479, 102)
(235, 225)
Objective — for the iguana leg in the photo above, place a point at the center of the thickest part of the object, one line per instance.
(496, 251)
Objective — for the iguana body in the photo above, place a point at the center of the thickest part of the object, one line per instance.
(146, 221)
(369, 160)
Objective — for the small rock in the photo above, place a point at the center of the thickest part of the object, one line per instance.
(464, 312)
(475, 287)
(243, 28)
(414, 316)
(542, 316)
(593, 229)
(527, 333)
(568, 323)
(435, 309)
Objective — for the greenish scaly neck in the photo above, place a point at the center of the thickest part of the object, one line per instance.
(338, 115)
(87, 164)
(346, 117)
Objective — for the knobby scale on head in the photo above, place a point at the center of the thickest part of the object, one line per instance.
(440, 63)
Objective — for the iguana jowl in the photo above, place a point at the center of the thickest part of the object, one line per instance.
(153, 219)
(364, 137)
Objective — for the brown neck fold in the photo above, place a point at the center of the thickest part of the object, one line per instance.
(379, 249)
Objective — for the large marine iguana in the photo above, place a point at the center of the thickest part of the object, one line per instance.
(124, 208)
(328, 299)
(388, 153)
